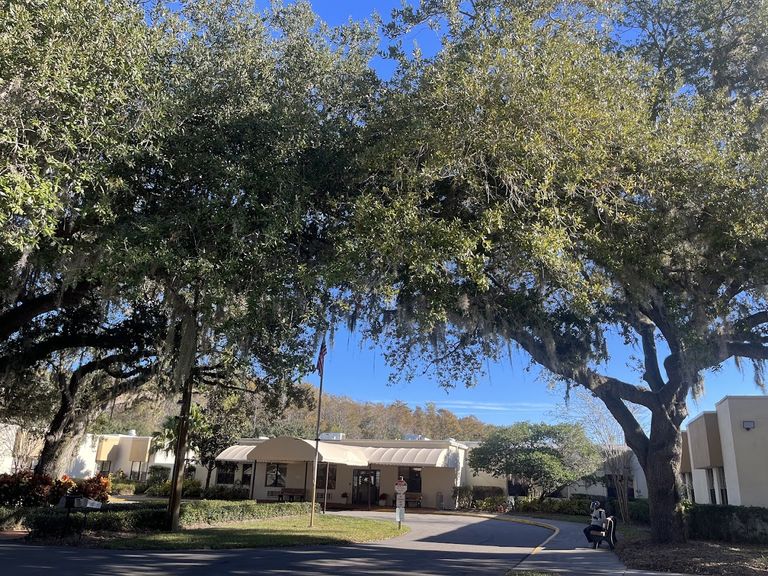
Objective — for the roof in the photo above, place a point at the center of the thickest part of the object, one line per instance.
(408, 456)
(238, 453)
(289, 449)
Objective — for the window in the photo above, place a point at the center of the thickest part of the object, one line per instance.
(711, 486)
(723, 487)
(412, 477)
(104, 467)
(247, 475)
(225, 473)
(321, 476)
(276, 474)
(136, 471)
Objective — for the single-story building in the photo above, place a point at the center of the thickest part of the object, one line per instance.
(354, 472)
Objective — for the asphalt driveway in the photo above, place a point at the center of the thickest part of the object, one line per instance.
(437, 545)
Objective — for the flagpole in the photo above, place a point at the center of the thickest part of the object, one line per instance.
(320, 368)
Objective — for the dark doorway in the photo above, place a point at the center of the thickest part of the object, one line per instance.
(365, 487)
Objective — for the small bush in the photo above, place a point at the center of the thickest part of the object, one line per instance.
(140, 488)
(123, 488)
(226, 493)
(96, 488)
(157, 474)
(492, 504)
(27, 489)
(12, 518)
(483, 492)
(463, 496)
(189, 488)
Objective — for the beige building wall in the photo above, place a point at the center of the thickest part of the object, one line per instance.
(745, 452)
(7, 442)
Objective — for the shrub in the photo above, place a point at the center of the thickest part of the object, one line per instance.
(150, 516)
(27, 489)
(483, 492)
(728, 523)
(157, 474)
(492, 504)
(189, 488)
(463, 496)
(55, 521)
(123, 488)
(140, 488)
(214, 512)
(226, 493)
(12, 518)
(573, 506)
(96, 488)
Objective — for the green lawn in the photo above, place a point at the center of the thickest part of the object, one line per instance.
(290, 531)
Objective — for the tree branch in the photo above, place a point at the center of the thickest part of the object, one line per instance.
(16, 318)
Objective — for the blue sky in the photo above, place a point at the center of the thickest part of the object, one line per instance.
(512, 390)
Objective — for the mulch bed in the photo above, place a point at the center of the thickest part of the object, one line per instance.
(637, 551)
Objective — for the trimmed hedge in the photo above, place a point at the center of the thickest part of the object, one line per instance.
(151, 517)
(190, 488)
(216, 511)
(12, 518)
(573, 506)
(226, 493)
(728, 523)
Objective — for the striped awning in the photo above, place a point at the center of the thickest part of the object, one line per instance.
(238, 453)
(437, 457)
(288, 449)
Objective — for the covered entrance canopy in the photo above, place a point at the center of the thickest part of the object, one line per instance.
(437, 457)
(288, 449)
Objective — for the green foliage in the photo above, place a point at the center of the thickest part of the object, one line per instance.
(11, 518)
(463, 496)
(492, 504)
(54, 522)
(484, 492)
(545, 457)
(571, 506)
(728, 523)
(26, 489)
(76, 74)
(225, 493)
(214, 512)
(191, 488)
(157, 474)
(144, 518)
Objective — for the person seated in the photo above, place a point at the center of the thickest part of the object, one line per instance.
(597, 520)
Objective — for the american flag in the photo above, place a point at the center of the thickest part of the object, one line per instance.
(321, 358)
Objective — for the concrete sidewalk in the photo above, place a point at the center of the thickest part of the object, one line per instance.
(567, 552)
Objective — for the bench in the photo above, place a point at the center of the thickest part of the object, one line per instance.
(292, 495)
(607, 534)
(414, 498)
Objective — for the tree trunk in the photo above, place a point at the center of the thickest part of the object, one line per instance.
(183, 379)
(60, 443)
(661, 473)
(208, 476)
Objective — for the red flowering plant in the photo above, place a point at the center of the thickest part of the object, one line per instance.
(96, 488)
(25, 488)
(65, 485)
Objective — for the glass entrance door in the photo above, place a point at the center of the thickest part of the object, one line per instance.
(365, 487)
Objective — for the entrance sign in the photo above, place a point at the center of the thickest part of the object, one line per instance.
(399, 516)
(401, 487)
